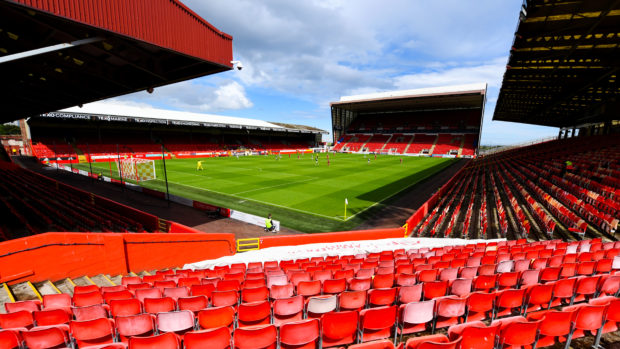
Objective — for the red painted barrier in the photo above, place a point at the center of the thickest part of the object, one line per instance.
(58, 255)
(302, 239)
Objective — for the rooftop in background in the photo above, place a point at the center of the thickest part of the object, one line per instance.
(147, 115)
(563, 64)
(445, 97)
(53, 55)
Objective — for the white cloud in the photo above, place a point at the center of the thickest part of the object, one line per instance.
(490, 72)
(193, 95)
(229, 96)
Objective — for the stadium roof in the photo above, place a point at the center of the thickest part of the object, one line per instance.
(62, 53)
(563, 65)
(147, 115)
(446, 97)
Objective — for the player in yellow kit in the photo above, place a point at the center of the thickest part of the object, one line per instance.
(199, 165)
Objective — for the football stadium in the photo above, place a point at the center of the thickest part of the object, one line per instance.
(133, 226)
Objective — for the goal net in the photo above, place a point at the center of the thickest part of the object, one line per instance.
(136, 169)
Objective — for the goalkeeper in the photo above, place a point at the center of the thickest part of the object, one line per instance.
(199, 165)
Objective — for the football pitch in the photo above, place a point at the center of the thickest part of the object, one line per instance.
(302, 194)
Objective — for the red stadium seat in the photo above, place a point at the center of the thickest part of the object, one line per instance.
(352, 300)
(589, 319)
(475, 335)
(86, 299)
(529, 277)
(134, 325)
(378, 344)
(508, 280)
(49, 317)
(178, 322)
(211, 318)
(460, 287)
(339, 328)
(309, 288)
(225, 298)
(176, 292)
(159, 305)
(509, 302)
(162, 341)
(255, 313)
(585, 288)
(427, 275)
(612, 323)
(288, 310)
(554, 327)
(10, 339)
(382, 296)
(218, 338)
(126, 280)
(359, 284)
(480, 306)
(448, 274)
(202, 290)
(125, 307)
(377, 323)
(193, 304)
(320, 305)
(334, 286)
(92, 312)
(255, 294)
(22, 318)
(434, 289)
(228, 285)
(264, 337)
(302, 334)
(408, 294)
(143, 293)
(85, 289)
(437, 341)
(537, 297)
(415, 317)
(298, 277)
(449, 310)
(46, 337)
(563, 291)
(485, 283)
(57, 301)
(92, 332)
(518, 334)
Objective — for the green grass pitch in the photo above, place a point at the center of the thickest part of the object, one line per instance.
(299, 193)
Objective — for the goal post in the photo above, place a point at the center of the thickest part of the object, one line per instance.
(136, 169)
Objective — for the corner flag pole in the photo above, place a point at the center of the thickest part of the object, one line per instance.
(346, 202)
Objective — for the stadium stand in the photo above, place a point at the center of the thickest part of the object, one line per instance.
(533, 193)
(392, 310)
(77, 140)
(43, 205)
(403, 122)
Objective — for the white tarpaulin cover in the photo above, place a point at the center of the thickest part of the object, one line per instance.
(331, 249)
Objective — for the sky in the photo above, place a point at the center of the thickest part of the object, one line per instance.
(298, 56)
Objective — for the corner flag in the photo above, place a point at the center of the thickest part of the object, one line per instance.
(346, 202)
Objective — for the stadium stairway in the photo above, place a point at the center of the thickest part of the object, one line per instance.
(386, 143)
(25, 291)
(408, 144)
(430, 151)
